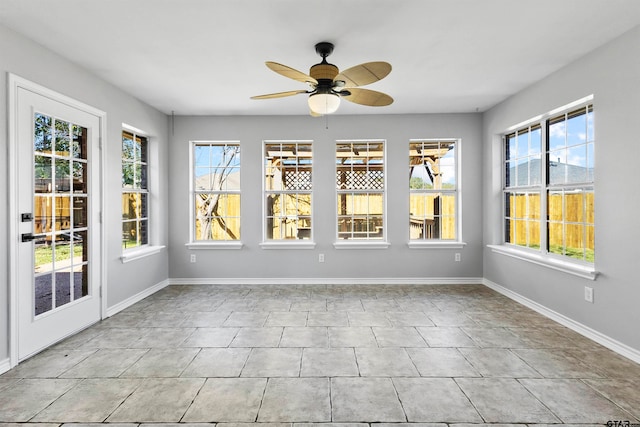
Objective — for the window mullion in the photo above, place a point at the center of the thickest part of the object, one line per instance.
(543, 190)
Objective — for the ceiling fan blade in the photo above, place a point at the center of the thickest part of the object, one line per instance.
(313, 113)
(279, 94)
(364, 74)
(368, 97)
(291, 73)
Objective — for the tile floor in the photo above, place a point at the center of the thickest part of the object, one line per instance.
(279, 355)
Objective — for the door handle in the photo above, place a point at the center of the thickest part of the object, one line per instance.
(28, 237)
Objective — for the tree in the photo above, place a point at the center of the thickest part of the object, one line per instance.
(207, 210)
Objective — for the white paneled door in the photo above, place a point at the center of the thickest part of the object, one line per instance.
(58, 231)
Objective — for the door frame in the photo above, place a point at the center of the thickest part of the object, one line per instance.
(14, 84)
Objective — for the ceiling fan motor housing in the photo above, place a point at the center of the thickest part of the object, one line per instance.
(323, 71)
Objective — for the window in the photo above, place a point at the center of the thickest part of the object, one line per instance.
(523, 178)
(360, 188)
(570, 196)
(560, 186)
(135, 192)
(433, 190)
(216, 191)
(288, 184)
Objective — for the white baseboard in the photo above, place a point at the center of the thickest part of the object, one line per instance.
(330, 281)
(600, 338)
(136, 298)
(5, 365)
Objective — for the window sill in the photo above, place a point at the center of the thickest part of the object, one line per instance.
(214, 245)
(432, 244)
(361, 245)
(134, 254)
(285, 244)
(584, 271)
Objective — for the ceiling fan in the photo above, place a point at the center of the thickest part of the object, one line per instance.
(328, 85)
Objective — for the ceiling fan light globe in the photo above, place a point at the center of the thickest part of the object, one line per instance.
(324, 103)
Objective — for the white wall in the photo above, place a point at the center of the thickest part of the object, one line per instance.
(33, 62)
(396, 262)
(612, 74)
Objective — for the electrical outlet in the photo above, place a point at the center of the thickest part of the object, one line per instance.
(193, 258)
(457, 257)
(588, 294)
(320, 257)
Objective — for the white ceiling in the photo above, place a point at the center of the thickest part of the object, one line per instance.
(206, 57)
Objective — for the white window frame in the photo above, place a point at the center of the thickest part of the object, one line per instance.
(280, 243)
(209, 244)
(458, 243)
(542, 257)
(153, 246)
(368, 243)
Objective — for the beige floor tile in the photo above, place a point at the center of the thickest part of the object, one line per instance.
(49, 364)
(573, 401)
(505, 400)
(105, 363)
(329, 362)
(365, 400)
(271, 304)
(30, 396)
(451, 318)
(344, 305)
(296, 400)
(328, 318)
(368, 318)
(385, 362)
(305, 337)
(413, 349)
(116, 338)
(217, 362)
(227, 400)
(556, 364)
(158, 400)
(310, 305)
(287, 318)
(624, 393)
(273, 362)
(258, 337)
(434, 400)
(211, 337)
(91, 401)
(162, 363)
(408, 318)
(441, 362)
(352, 337)
(162, 319)
(398, 337)
(77, 340)
(248, 319)
(498, 362)
(380, 305)
(205, 319)
(446, 337)
(494, 337)
(611, 364)
(163, 338)
(6, 382)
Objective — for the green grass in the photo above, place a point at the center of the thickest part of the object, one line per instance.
(576, 253)
(44, 254)
(130, 243)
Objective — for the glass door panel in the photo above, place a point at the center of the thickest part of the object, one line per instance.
(60, 213)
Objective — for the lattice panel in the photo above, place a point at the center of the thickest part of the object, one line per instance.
(360, 179)
(297, 180)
